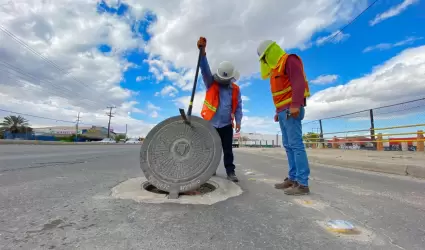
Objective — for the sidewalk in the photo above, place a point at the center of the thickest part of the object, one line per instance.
(392, 162)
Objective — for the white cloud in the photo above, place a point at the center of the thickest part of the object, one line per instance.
(163, 71)
(129, 107)
(394, 11)
(399, 79)
(180, 23)
(385, 46)
(245, 110)
(325, 79)
(62, 71)
(183, 102)
(153, 110)
(245, 98)
(57, 114)
(154, 114)
(142, 78)
(249, 123)
(167, 91)
(335, 37)
(255, 124)
(151, 106)
(244, 84)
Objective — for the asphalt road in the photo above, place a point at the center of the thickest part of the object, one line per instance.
(58, 197)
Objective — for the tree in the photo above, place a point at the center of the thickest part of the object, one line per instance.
(245, 138)
(120, 137)
(70, 138)
(311, 137)
(15, 125)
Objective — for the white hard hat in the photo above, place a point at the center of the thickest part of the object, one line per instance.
(264, 45)
(226, 70)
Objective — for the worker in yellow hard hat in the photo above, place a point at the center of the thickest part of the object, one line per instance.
(289, 89)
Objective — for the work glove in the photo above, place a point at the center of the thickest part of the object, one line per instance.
(202, 43)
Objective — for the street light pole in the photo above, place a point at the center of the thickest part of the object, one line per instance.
(277, 137)
(76, 127)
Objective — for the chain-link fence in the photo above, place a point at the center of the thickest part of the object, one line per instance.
(393, 127)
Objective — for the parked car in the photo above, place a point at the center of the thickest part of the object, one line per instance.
(108, 140)
(132, 141)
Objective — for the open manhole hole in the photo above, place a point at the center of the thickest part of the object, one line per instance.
(203, 189)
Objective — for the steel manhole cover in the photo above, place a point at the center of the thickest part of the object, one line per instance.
(177, 157)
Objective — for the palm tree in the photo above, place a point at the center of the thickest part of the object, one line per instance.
(15, 124)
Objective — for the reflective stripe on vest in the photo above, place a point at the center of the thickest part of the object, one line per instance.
(211, 107)
(281, 87)
(289, 100)
(282, 91)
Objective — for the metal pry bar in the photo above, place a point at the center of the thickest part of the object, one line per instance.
(185, 117)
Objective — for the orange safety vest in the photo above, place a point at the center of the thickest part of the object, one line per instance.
(281, 86)
(212, 100)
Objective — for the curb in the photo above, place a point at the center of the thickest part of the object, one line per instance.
(387, 168)
(380, 167)
(416, 171)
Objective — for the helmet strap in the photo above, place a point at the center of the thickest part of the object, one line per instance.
(221, 81)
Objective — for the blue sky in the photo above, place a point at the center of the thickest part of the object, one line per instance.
(158, 40)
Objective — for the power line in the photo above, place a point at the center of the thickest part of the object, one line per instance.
(377, 108)
(29, 77)
(41, 117)
(352, 21)
(29, 48)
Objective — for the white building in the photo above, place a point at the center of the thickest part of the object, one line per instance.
(251, 139)
(91, 132)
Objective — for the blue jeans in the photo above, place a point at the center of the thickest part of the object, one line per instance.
(292, 139)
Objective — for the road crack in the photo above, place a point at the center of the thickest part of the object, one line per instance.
(391, 240)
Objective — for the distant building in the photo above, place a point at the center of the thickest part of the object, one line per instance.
(93, 133)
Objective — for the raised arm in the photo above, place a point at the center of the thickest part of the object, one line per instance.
(207, 76)
(205, 67)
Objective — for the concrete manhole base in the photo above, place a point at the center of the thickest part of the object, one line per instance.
(134, 189)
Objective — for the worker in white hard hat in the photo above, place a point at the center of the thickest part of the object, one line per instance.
(289, 89)
(222, 105)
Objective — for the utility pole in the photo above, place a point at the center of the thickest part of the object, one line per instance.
(76, 127)
(125, 132)
(110, 116)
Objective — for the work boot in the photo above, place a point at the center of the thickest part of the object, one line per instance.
(232, 177)
(297, 189)
(287, 183)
